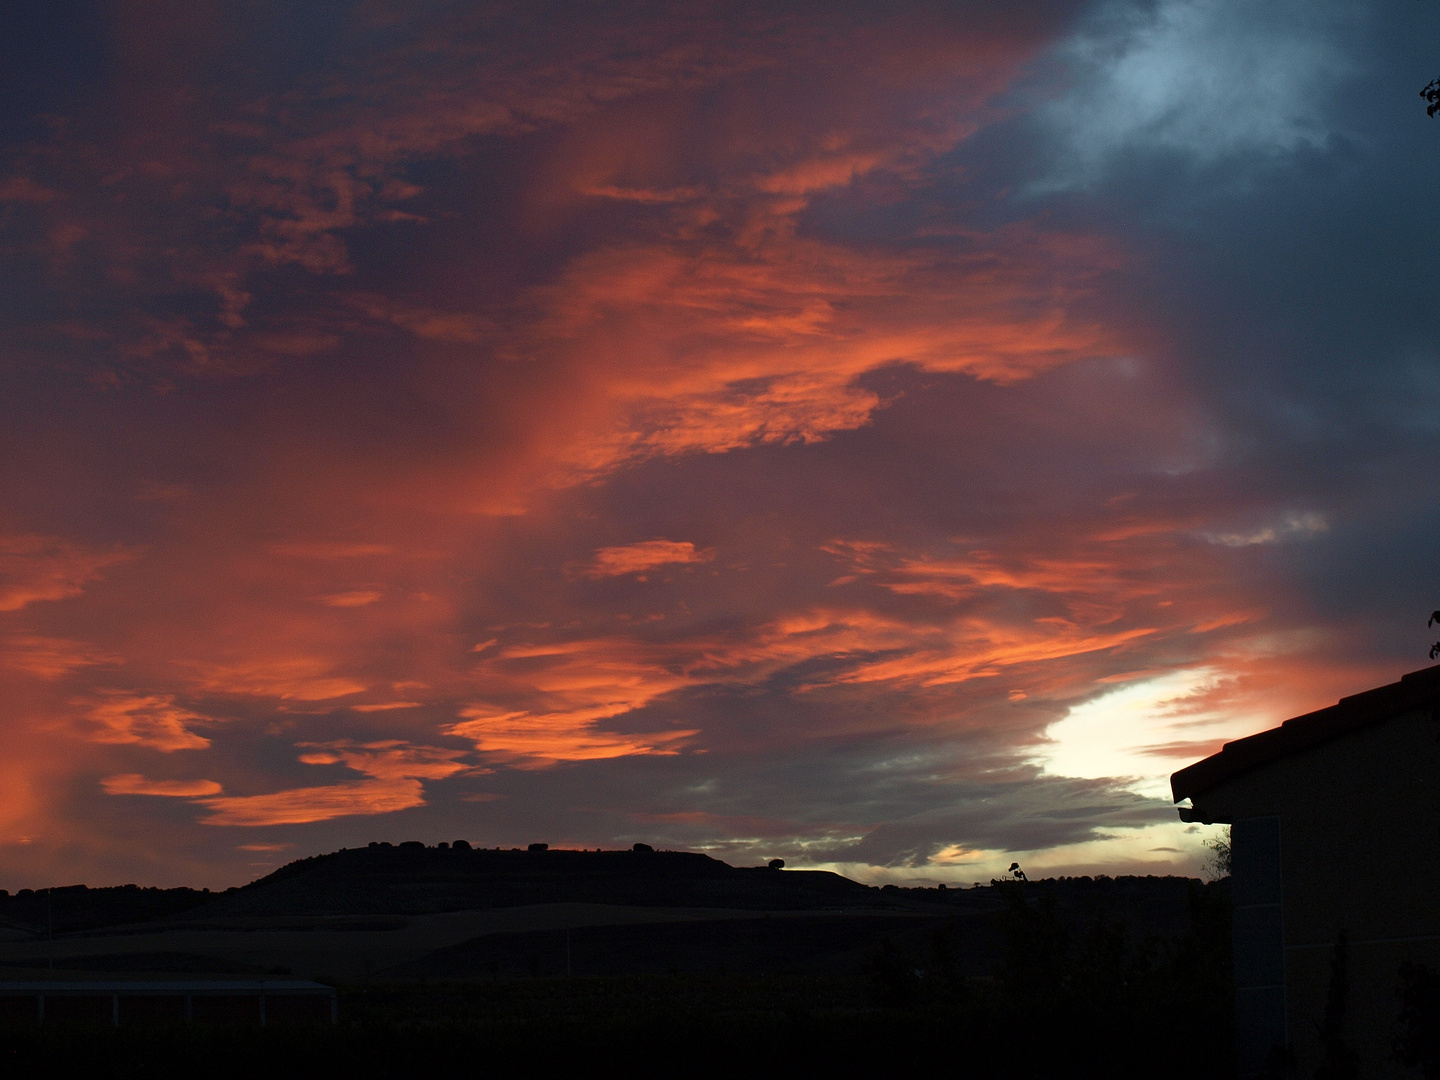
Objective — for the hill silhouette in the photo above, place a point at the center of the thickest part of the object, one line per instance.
(411, 879)
(391, 882)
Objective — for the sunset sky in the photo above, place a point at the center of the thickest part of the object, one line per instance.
(890, 437)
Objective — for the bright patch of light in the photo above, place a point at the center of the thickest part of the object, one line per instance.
(1172, 847)
(1145, 730)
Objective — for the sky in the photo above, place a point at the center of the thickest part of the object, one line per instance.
(888, 437)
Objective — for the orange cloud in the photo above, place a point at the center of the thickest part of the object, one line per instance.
(388, 759)
(393, 769)
(301, 805)
(570, 688)
(720, 348)
(354, 598)
(36, 568)
(152, 720)
(50, 658)
(578, 686)
(298, 678)
(537, 739)
(135, 784)
(646, 555)
(1004, 610)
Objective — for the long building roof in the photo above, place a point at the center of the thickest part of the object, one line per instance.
(163, 986)
(1417, 690)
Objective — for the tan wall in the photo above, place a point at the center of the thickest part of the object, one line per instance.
(1360, 850)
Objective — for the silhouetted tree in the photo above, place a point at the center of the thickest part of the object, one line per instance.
(892, 977)
(1221, 859)
(1035, 943)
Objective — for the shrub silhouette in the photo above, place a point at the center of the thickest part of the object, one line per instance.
(1035, 943)
(1340, 1061)
(892, 978)
(897, 980)
(1418, 1043)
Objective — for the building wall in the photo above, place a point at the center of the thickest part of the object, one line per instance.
(1359, 825)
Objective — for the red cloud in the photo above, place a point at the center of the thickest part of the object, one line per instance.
(646, 555)
(36, 568)
(300, 678)
(152, 720)
(135, 784)
(393, 768)
(50, 658)
(389, 759)
(536, 739)
(301, 805)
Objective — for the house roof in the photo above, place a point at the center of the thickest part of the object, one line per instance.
(1418, 690)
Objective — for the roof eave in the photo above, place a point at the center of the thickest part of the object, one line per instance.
(1418, 689)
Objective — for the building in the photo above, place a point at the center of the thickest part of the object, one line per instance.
(1335, 833)
(129, 1002)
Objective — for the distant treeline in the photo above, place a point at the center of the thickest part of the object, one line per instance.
(78, 907)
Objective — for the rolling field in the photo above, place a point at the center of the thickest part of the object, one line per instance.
(329, 947)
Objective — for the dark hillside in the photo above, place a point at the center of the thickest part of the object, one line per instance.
(1066, 918)
(416, 880)
(820, 944)
(413, 880)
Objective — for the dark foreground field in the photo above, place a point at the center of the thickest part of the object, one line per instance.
(671, 1026)
(1026, 984)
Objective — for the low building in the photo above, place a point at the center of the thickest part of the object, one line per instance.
(1335, 835)
(164, 1001)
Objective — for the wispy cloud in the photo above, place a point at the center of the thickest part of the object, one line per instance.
(39, 568)
(393, 771)
(152, 720)
(51, 658)
(301, 678)
(299, 806)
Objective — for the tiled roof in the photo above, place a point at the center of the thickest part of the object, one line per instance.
(1418, 690)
